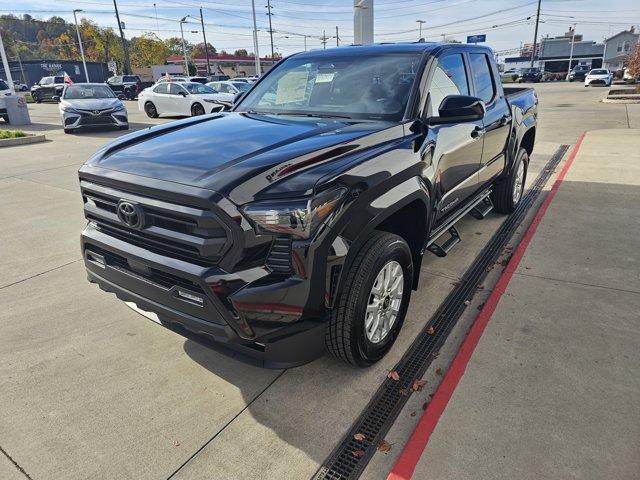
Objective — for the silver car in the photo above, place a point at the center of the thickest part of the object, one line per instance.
(91, 105)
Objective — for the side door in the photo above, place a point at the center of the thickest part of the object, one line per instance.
(458, 146)
(46, 88)
(161, 98)
(180, 100)
(497, 120)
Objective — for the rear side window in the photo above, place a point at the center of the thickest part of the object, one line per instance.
(3, 86)
(162, 88)
(482, 77)
(449, 78)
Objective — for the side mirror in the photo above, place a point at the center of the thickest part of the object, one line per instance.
(121, 96)
(460, 108)
(56, 98)
(183, 93)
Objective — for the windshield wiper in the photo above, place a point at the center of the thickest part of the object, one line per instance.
(307, 114)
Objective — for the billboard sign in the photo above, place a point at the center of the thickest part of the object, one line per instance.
(477, 38)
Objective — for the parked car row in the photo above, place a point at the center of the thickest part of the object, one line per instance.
(596, 76)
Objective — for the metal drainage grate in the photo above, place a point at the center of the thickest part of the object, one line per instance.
(385, 406)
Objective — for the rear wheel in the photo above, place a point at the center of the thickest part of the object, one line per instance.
(68, 130)
(150, 110)
(373, 303)
(508, 192)
(197, 109)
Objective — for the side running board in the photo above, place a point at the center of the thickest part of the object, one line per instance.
(452, 241)
(479, 208)
(482, 209)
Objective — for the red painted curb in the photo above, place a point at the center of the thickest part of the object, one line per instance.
(406, 463)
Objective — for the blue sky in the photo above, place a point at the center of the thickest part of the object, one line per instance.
(228, 24)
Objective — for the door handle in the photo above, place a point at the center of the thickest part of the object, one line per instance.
(477, 132)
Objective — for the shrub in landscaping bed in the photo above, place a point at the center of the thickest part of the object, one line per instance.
(11, 134)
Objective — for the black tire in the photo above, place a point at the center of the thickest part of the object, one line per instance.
(68, 130)
(36, 98)
(197, 109)
(151, 110)
(503, 192)
(345, 336)
(123, 127)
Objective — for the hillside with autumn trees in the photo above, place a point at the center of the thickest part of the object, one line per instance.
(32, 39)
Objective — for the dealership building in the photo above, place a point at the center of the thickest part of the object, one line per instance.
(31, 71)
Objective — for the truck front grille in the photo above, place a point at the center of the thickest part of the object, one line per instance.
(188, 233)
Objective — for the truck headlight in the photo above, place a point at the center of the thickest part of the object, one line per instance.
(297, 217)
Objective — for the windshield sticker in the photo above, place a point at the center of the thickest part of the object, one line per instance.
(325, 77)
(292, 87)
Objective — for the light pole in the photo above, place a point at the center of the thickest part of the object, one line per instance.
(84, 63)
(420, 22)
(5, 64)
(255, 39)
(573, 36)
(184, 48)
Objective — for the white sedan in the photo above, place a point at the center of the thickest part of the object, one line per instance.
(598, 76)
(228, 90)
(178, 99)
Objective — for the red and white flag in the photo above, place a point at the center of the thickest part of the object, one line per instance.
(167, 77)
(67, 79)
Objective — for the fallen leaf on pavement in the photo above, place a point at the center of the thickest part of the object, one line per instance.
(438, 371)
(481, 306)
(417, 385)
(404, 392)
(425, 405)
(393, 375)
(384, 446)
(435, 354)
(431, 330)
(467, 302)
(176, 443)
(413, 414)
(358, 453)
(359, 437)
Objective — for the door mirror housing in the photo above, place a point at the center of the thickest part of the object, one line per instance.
(56, 98)
(460, 108)
(183, 93)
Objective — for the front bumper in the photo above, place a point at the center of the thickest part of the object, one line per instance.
(72, 120)
(247, 316)
(597, 81)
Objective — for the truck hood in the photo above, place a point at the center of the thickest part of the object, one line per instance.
(244, 156)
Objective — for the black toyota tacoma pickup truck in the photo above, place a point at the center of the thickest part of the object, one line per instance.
(298, 221)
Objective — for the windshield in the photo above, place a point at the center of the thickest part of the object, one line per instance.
(77, 92)
(130, 78)
(198, 88)
(243, 87)
(371, 87)
(598, 72)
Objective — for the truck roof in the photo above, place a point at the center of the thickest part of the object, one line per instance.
(413, 47)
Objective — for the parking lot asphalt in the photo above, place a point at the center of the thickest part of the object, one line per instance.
(91, 389)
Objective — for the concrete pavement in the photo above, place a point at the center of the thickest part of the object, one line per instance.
(552, 388)
(91, 389)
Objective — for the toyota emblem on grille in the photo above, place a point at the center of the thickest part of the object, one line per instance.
(96, 112)
(130, 214)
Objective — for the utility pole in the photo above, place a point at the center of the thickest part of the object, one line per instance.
(84, 63)
(206, 47)
(573, 37)
(324, 39)
(5, 64)
(337, 37)
(535, 35)
(420, 22)
(127, 65)
(255, 39)
(184, 48)
(24, 79)
(269, 14)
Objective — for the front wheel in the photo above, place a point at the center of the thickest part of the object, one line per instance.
(507, 193)
(197, 109)
(372, 306)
